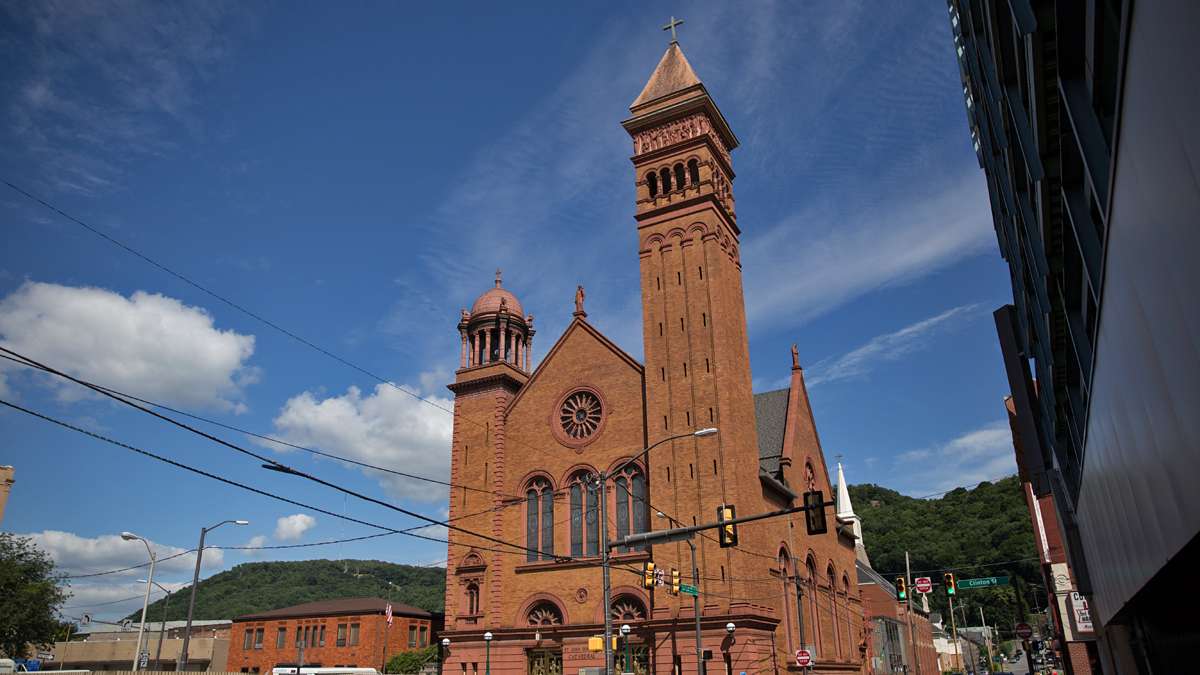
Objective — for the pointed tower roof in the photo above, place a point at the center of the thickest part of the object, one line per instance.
(673, 74)
(844, 508)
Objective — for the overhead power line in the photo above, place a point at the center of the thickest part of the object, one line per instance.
(268, 462)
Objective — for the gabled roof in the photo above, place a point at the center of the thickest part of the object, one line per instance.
(336, 607)
(672, 74)
(770, 417)
(867, 575)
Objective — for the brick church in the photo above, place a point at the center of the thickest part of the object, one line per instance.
(527, 444)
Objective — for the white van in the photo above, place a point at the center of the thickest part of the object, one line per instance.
(324, 671)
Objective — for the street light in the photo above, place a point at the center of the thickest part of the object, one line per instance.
(487, 664)
(696, 597)
(625, 629)
(445, 643)
(137, 654)
(181, 664)
(162, 626)
(602, 480)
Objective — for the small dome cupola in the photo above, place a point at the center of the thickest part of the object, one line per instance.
(496, 330)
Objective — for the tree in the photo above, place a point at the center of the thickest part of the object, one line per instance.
(410, 662)
(30, 595)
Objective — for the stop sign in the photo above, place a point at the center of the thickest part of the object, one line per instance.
(803, 658)
(923, 584)
(1024, 631)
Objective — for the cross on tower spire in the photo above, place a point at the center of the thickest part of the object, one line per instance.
(671, 27)
(497, 277)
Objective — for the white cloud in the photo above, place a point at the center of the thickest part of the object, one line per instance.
(73, 554)
(255, 544)
(388, 428)
(887, 347)
(819, 259)
(149, 345)
(291, 528)
(985, 453)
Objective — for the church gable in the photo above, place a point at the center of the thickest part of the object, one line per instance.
(583, 405)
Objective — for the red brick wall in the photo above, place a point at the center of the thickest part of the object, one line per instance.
(368, 653)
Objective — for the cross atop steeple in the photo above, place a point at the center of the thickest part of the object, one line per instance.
(497, 277)
(671, 27)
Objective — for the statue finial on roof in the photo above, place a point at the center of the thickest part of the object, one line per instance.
(795, 357)
(579, 295)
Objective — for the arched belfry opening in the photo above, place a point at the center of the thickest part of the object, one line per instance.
(496, 330)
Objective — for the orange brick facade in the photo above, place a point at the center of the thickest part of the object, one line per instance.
(259, 646)
(526, 444)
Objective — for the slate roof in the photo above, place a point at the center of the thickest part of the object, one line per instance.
(339, 606)
(672, 74)
(867, 575)
(770, 417)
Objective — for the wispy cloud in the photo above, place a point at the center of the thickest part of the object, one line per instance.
(92, 86)
(983, 453)
(859, 362)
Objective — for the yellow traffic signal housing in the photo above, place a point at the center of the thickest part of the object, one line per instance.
(901, 589)
(647, 580)
(728, 533)
(948, 577)
(674, 581)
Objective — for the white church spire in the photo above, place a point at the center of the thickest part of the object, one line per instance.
(845, 513)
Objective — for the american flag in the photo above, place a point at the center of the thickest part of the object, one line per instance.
(388, 613)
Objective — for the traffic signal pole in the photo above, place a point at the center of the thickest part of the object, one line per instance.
(954, 634)
(912, 635)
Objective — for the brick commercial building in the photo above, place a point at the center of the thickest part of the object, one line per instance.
(350, 632)
(527, 445)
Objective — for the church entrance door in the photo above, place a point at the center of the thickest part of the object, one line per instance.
(545, 662)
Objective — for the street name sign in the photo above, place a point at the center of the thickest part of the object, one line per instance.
(1024, 631)
(688, 589)
(983, 582)
(923, 584)
(803, 658)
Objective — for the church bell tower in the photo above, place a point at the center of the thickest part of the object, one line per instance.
(694, 320)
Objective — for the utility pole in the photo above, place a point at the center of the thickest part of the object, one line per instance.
(988, 635)
(299, 649)
(912, 635)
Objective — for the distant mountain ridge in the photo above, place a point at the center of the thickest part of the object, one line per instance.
(981, 532)
(261, 586)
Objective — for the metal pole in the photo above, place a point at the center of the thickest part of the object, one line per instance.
(181, 664)
(988, 635)
(912, 635)
(608, 653)
(954, 635)
(487, 665)
(696, 609)
(137, 654)
(162, 628)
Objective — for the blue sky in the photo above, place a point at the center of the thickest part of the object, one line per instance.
(357, 173)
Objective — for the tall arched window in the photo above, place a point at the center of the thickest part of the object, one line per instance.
(833, 613)
(539, 519)
(652, 183)
(789, 598)
(810, 568)
(585, 515)
(849, 615)
(632, 511)
(472, 599)
(664, 177)
(694, 172)
(680, 177)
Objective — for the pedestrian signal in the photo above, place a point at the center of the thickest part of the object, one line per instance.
(814, 512)
(674, 581)
(728, 531)
(901, 589)
(647, 575)
(948, 577)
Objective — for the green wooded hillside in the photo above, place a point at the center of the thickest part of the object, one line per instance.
(260, 586)
(963, 530)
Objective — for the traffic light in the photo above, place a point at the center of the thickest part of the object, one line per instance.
(948, 577)
(814, 512)
(901, 589)
(674, 581)
(728, 532)
(647, 575)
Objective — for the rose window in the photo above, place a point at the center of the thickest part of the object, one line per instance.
(580, 415)
(626, 609)
(545, 614)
